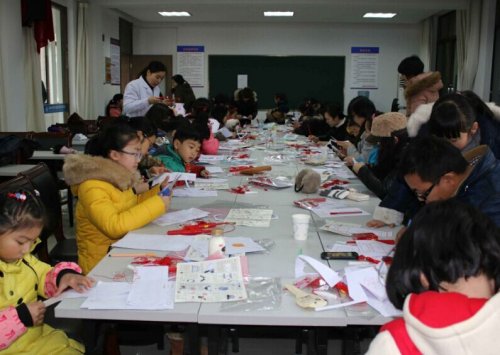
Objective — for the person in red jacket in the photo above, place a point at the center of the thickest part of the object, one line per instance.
(445, 276)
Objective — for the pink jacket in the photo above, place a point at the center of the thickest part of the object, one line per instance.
(210, 146)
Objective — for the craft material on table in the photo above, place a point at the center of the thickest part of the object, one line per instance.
(347, 211)
(349, 229)
(250, 217)
(210, 281)
(174, 217)
(150, 290)
(212, 184)
(133, 240)
(194, 192)
(304, 299)
(273, 183)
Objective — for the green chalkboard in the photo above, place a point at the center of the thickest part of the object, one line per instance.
(321, 77)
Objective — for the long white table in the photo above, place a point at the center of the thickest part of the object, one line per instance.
(279, 261)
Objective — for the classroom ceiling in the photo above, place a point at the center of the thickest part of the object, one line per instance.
(306, 11)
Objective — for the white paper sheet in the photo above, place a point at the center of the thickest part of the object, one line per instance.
(159, 179)
(114, 295)
(210, 281)
(323, 209)
(214, 170)
(194, 192)
(182, 176)
(66, 295)
(349, 229)
(212, 184)
(151, 288)
(250, 217)
(234, 245)
(330, 276)
(160, 242)
(373, 249)
(181, 216)
(342, 247)
(211, 158)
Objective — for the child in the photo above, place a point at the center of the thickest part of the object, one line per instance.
(445, 277)
(103, 181)
(184, 150)
(206, 126)
(114, 106)
(23, 278)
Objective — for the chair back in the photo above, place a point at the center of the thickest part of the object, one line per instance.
(47, 140)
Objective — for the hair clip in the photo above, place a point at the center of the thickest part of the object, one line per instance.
(18, 196)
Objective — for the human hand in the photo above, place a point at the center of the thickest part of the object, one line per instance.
(313, 138)
(400, 234)
(77, 282)
(155, 100)
(204, 174)
(349, 160)
(164, 183)
(141, 187)
(344, 144)
(166, 200)
(37, 311)
(376, 223)
(357, 166)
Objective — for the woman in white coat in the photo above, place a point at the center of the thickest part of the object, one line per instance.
(144, 91)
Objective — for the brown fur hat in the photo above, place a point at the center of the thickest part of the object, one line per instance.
(307, 181)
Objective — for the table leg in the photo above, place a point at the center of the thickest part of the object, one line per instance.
(193, 337)
(213, 339)
(321, 340)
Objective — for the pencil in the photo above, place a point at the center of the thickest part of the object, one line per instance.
(347, 212)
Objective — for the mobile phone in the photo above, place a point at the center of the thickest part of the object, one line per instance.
(167, 191)
(336, 255)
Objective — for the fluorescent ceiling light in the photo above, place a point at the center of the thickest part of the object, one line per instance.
(379, 15)
(174, 13)
(278, 13)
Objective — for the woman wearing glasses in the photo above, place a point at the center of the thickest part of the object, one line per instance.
(103, 181)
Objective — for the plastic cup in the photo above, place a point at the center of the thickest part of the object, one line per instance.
(300, 226)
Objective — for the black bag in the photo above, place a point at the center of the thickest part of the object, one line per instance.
(15, 150)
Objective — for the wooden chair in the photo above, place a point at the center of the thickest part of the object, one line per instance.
(48, 140)
(42, 180)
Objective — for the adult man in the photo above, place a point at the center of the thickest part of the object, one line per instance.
(436, 170)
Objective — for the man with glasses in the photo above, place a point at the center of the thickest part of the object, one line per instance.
(436, 170)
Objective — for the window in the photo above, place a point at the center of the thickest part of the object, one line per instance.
(446, 51)
(53, 62)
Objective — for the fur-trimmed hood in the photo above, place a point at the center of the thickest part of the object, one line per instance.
(424, 81)
(80, 167)
(423, 113)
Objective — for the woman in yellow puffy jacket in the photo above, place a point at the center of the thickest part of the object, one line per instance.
(105, 181)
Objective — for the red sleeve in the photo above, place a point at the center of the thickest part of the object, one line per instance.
(195, 169)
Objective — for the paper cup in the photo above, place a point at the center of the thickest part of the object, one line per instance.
(300, 226)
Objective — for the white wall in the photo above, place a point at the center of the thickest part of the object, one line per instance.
(395, 42)
(12, 49)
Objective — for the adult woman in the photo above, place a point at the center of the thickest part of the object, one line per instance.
(144, 91)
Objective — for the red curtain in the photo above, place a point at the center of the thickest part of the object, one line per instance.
(38, 14)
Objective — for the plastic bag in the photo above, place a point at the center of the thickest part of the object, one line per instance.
(264, 294)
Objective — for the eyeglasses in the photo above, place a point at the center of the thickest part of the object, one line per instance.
(137, 155)
(422, 196)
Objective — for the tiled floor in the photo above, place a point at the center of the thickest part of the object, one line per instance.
(260, 345)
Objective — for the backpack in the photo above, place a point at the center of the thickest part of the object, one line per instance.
(16, 150)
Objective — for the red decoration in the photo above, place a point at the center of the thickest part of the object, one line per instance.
(39, 14)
